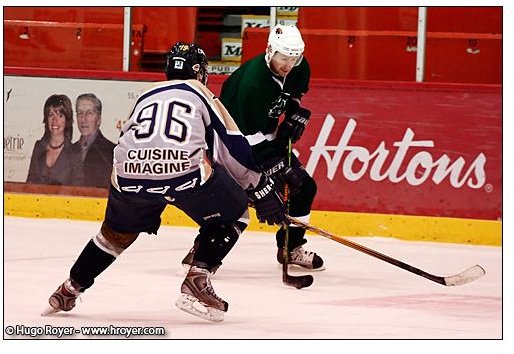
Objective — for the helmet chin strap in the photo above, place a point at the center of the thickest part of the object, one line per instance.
(202, 76)
(268, 63)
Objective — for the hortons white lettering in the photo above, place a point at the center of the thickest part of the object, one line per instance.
(418, 169)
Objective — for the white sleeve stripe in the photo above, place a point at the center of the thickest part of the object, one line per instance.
(233, 132)
(259, 138)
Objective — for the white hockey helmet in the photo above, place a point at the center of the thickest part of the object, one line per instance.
(286, 40)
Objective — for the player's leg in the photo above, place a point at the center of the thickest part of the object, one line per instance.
(300, 207)
(228, 191)
(188, 259)
(126, 216)
(220, 208)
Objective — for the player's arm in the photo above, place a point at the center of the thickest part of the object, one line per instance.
(232, 151)
(294, 123)
(296, 116)
(292, 127)
(229, 148)
(254, 123)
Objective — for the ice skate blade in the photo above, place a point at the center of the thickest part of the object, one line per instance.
(191, 305)
(50, 311)
(294, 268)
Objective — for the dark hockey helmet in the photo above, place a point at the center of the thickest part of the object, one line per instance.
(186, 61)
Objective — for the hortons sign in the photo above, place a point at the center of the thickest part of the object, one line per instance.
(419, 167)
(399, 174)
(427, 151)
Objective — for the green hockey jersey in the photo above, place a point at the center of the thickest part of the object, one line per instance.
(256, 98)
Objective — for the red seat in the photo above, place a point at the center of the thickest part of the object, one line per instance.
(69, 45)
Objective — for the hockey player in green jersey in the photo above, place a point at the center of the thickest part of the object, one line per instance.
(256, 95)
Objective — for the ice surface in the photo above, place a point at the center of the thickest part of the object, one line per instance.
(356, 297)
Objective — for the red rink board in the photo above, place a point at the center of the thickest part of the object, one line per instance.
(432, 126)
(426, 129)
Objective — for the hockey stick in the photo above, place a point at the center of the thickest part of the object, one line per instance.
(467, 276)
(301, 281)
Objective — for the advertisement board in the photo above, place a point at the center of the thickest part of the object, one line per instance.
(412, 149)
(24, 99)
(372, 147)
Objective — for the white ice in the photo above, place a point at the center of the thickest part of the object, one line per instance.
(356, 297)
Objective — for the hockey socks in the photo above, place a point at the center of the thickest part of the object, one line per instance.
(91, 263)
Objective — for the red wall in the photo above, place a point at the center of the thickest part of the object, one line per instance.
(163, 25)
(84, 14)
(459, 122)
(464, 44)
(70, 46)
(465, 19)
(389, 55)
(91, 37)
(379, 18)
(459, 19)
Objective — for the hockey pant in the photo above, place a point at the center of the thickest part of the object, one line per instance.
(299, 207)
(220, 207)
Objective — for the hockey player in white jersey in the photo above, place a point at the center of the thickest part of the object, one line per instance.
(179, 146)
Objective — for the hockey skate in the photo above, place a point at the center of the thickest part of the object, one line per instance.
(300, 259)
(188, 261)
(63, 299)
(198, 297)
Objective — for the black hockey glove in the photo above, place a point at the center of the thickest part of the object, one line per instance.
(281, 174)
(267, 202)
(293, 126)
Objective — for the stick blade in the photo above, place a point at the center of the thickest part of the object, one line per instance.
(298, 282)
(467, 276)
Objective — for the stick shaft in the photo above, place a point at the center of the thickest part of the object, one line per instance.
(301, 281)
(369, 251)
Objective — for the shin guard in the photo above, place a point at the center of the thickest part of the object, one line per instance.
(215, 242)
